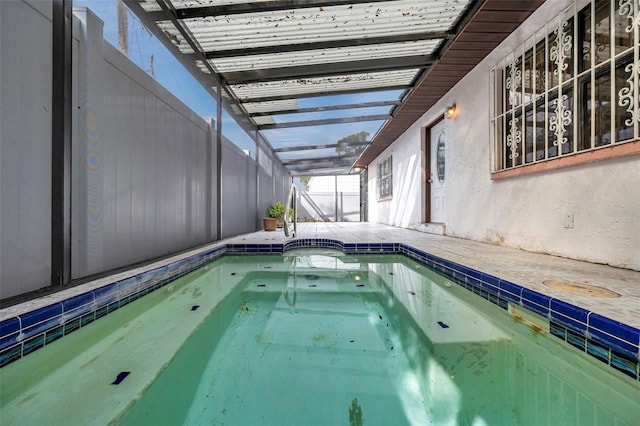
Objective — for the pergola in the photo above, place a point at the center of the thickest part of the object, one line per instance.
(279, 66)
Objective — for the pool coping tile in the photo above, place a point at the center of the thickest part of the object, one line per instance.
(536, 302)
(595, 334)
(569, 315)
(617, 336)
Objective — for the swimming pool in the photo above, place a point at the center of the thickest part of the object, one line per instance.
(315, 339)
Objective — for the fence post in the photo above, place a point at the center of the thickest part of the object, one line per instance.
(335, 196)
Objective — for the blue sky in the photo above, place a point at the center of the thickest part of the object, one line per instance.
(171, 74)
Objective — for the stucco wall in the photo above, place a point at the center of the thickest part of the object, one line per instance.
(525, 212)
(405, 207)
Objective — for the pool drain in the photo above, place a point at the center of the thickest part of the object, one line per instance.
(582, 289)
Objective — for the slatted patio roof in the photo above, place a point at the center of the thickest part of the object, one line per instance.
(330, 84)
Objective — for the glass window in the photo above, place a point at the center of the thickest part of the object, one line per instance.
(385, 178)
(440, 158)
(545, 110)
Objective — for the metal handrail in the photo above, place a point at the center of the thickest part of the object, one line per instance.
(291, 293)
(293, 197)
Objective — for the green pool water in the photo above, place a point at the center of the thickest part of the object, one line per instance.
(314, 338)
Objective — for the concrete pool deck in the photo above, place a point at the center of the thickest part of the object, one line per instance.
(527, 269)
(607, 328)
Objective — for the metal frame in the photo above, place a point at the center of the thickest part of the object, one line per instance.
(321, 171)
(163, 18)
(310, 147)
(325, 108)
(379, 117)
(319, 160)
(61, 143)
(219, 164)
(258, 7)
(333, 92)
(330, 44)
(330, 69)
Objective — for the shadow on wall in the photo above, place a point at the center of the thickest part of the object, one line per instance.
(310, 208)
(328, 207)
(408, 197)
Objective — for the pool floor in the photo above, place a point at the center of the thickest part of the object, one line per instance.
(333, 346)
(331, 358)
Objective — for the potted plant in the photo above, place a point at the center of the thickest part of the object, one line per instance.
(276, 212)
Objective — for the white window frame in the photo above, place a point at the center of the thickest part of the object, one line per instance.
(385, 179)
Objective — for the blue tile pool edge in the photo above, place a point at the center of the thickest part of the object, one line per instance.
(611, 342)
(608, 341)
(29, 331)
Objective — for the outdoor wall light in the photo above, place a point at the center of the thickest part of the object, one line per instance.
(450, 112)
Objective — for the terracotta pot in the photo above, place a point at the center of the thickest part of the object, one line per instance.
(270, 223)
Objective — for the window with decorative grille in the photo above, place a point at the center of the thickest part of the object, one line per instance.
(571, 88)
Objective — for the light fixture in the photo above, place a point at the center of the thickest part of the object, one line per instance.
(450, 112)
(353, 169)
